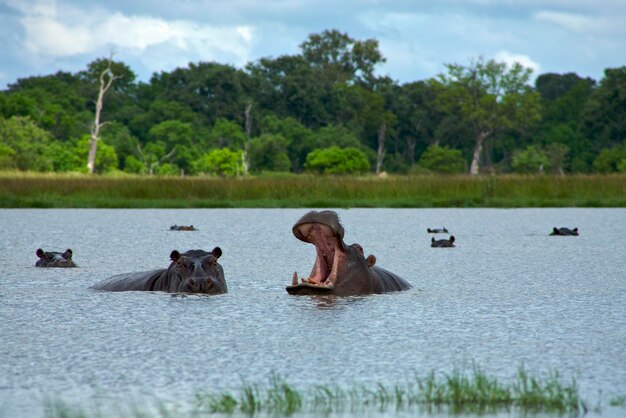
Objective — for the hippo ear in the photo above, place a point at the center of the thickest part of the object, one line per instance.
(175, 255)
(371, 260)
(40, 253)
(217, 252)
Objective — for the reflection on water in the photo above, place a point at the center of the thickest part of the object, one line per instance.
(507, 295)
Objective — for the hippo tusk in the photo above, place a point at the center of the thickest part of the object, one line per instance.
(294, 281)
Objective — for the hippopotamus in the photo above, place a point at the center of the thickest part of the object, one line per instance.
(195, 271)
(437, 230)
(339, 269)
(182, 228)
(564, 231)
(442, 243)
(54, 259)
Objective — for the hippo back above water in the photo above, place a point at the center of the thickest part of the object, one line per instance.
(339, 269)
(195, 271)
(54, 259)
(564, 231)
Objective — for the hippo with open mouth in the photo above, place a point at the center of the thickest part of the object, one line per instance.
(54, 259)
(195, 271)
(339, 269)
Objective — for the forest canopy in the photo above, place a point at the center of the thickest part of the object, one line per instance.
(323, 110)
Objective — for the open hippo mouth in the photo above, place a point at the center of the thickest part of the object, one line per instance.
(323, 230)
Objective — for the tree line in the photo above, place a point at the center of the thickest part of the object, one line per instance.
(322, 110)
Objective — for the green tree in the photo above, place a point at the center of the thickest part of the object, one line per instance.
(418, 117)
(297, 135)
(442, 160)
(226, 133)
(604, 120)
(610, 160)
(154, 154)
(106, 158)
(491, 98)
(269, 153)
(220, 162)
(211, 90)
(335, 160)
(27, 143)
(289, 87)
(341, 58)
(178, 139)
(7, 157)
(530, 160)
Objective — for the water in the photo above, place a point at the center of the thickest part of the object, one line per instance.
(507, 295)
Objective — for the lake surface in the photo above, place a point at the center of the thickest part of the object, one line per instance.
(508, 295)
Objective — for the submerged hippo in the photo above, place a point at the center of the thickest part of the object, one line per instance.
(182, 228)
(437, 230)
(54, 259)
(195, 271)
(442, 243)
(564, 231)
(339, 269)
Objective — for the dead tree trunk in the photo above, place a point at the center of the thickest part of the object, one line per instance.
(105, 84)
(478, 149)
(380, 154)
(244, 154)
(410, 149)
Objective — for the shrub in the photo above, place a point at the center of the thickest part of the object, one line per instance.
(335, 160)
(442, 160)
(530, 160)
(610, 159)
(221, 162)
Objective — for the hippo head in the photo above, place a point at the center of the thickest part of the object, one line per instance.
(197, 271)
(339, 268)
(54, 259)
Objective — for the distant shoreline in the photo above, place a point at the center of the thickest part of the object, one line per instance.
(35, 190)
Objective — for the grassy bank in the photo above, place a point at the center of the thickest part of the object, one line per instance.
(19, 190)
(459, 393)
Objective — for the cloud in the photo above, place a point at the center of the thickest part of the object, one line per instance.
(509, 59)
(569, 21)
(80, 31)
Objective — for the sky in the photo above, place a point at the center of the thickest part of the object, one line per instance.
(416, 37)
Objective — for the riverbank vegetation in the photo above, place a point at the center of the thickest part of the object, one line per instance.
(321, 110)
(36, 190)
(457, 393)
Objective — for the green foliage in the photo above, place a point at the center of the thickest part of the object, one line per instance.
(442, 160)
(530, 160)
(604, 119)
(335, 160)
(133, 165)
(120, 138)
(490, 98)
(556, 154)
(7, 157)
(220, 162)
(27, 143)
(610, 160)
(176, 137)
(227, 134)
(106, 157)
(325, 95)
(269, 153)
